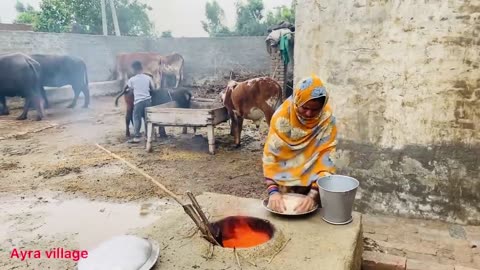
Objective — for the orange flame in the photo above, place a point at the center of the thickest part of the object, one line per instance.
(238, 233)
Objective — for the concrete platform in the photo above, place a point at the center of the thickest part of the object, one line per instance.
(313, 244)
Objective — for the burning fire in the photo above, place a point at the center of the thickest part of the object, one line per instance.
(244, 232)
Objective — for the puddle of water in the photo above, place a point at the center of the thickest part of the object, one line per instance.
(90, 221)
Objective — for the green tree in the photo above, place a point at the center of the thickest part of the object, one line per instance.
(84, 16)
(215, 17)
(25, 13)
(250, 18)
(55, 16)
(283, 13)
(133, 19)
(167, 34)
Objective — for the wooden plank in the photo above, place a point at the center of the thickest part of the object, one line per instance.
(207, 106)
(171, 104)
(179, 118)
(200, 115)
(163, 109)
(193, 105)
(211, 100)
(220, 115)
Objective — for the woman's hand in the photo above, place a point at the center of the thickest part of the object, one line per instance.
(276, 203)
(305, 205)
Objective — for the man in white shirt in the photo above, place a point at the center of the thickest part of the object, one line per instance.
(141, 85)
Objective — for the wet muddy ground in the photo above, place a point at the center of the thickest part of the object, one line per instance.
(58, 190)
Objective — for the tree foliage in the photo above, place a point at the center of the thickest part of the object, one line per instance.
(282, 13)
(214, 25)
(167, 34)
(54, 16)
(21, 7)
(84, 16)
(26, 13)
(251, 20)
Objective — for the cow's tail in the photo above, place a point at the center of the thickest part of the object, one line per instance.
(181, 72)
(38, 75)
(120, 95)
(38, 84)
(188, 95)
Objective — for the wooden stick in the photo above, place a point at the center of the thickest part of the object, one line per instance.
(197, 207)
(236, 256)
(191, 212)
(171, 194)
(206, 223)
(211, 250)
(192, 234)
(274, 73)
(276, 253)
(210, 255)
(188, 208)
(240, 175)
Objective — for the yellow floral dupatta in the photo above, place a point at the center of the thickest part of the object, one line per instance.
(297, 150)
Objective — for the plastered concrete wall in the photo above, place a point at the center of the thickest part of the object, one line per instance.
(205, 58)
(404, 80)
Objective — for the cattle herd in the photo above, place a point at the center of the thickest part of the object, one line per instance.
(26, 76)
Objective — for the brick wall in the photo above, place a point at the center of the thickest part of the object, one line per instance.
(278, 68)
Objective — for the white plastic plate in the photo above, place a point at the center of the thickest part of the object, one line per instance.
(124, 252)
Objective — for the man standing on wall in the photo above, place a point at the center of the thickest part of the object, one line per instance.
(141, 85)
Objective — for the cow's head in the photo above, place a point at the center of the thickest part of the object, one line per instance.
(226, 95)
(228, 90)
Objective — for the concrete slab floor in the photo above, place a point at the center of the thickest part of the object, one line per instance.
(308, 241)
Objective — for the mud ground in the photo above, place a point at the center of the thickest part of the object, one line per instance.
(55, 163)
(59, 154)
(57, 190)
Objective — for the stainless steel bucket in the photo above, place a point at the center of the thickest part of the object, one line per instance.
(337, 195)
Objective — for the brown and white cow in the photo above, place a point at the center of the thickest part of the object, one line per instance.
(153, 64)
(150, 63)
(252, 99)
(171, 64)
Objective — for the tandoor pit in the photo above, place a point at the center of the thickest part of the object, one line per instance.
(254, 238)
(244, 231)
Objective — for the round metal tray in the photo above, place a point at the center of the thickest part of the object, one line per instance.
(265, 205)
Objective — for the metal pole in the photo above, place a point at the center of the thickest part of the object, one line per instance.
(115, 19)
(104, 18)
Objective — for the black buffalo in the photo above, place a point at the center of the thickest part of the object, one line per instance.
(61, 70)
(20, 76)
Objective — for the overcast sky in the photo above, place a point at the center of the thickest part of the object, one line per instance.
(182, 17)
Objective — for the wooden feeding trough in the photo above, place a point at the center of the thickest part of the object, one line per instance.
(202, 113)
